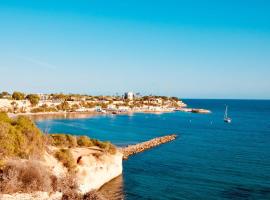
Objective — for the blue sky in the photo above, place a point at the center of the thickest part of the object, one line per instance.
(184, 48)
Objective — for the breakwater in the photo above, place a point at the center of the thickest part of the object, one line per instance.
(137, 148)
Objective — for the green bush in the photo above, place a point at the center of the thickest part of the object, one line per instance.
(43, 109)
(106, 146)
(63, 106)
(19, 138)
(4, 117)
(65, 156)
(33, 98)
(18, 96)
(84, 141)
(22, 139)
(63, 140)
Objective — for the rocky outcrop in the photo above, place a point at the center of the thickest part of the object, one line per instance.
(137, 148)
(194, 110)
(202, 111)
(95, 168)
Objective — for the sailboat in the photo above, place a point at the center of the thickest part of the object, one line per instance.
(226, 118)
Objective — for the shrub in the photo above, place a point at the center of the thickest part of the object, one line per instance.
(93, 195)
(84, 141)
(74, 107)
(33, 98)
(4, 117)
(63, 106)
(18, 96)
(31, 176)
(107, 146)
(19, 138)
(65, 156)
(63, 140)
(32, 139)
(44, 109)
(28, 176)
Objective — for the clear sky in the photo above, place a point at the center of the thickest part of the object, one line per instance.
(184, 48)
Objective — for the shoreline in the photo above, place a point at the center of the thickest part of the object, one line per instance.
(87, 113)
(95, 113)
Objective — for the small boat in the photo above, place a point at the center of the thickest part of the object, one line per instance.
(226, 118)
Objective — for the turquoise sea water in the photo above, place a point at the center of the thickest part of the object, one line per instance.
(209, 160)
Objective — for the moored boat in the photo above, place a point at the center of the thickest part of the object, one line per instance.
(226, 118)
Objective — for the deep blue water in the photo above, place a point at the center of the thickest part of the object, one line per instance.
(209, 160)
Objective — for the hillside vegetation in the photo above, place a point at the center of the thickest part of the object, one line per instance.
(21, 139)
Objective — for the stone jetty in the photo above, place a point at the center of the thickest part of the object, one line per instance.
(137, 148)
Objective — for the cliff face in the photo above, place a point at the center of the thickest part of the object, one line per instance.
(95, 168)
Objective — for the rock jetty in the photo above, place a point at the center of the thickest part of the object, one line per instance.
(137, 148)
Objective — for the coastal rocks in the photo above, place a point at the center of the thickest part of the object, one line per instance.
(194, 110)
(202, 111)
(94, 167)
(137, 148)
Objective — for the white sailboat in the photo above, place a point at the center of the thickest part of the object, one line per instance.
(226, 118)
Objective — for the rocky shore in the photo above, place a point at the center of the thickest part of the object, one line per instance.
(137, 148)
(34, 165)
(94, 168)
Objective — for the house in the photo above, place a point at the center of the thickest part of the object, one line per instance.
(43, 97)
(129, 95)
(111, 107)
(118, 102)
(123, 108)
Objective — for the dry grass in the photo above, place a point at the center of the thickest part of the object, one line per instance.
(20, 138)
(28, 176)
(32, 176)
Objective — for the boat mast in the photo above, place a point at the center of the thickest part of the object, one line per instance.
(226, 110)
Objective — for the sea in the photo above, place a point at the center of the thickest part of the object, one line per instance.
(210, 159)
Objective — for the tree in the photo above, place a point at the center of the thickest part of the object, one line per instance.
(63, 106)
(3, 94)
(174, 98)
(74, 107)
(33, 98)
(18, 96)
(60, 96)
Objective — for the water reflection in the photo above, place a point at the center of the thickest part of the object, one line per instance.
(113, 189)
(41, 117)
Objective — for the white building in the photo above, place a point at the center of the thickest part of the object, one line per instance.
(43, 97)
(111, 107)
(129, 95)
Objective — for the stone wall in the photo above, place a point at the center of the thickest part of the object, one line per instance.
(137, 148)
